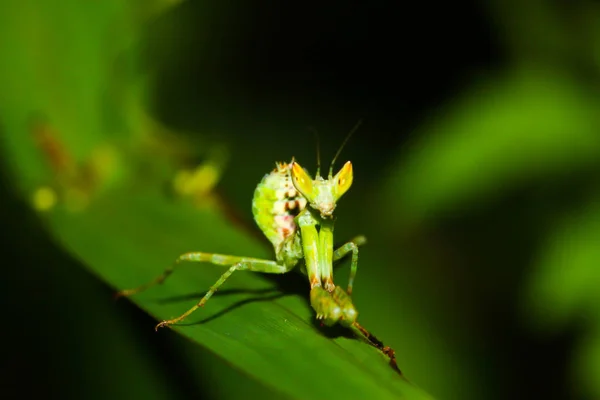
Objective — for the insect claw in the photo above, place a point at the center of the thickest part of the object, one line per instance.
(122, 293)
(161, 325)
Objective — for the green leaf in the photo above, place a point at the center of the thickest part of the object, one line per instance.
(565, 279)
(587, 360)
(129, 238)
(563, 288)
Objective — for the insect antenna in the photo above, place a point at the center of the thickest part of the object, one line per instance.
(314, 131)
(342, 146)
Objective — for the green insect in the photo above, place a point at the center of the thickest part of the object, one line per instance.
(295, 212)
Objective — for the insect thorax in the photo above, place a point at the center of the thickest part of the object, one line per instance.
(275, 204)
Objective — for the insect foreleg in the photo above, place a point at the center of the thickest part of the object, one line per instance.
(310, 246)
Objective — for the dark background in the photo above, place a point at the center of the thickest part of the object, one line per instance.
(282, 67)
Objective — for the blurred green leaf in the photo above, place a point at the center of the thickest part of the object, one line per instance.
(587, 360)
(566, 277)
(76, 67)
(502, 133)
(563, 288)
(60, 68)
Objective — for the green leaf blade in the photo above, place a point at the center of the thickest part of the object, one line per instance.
(129, 239)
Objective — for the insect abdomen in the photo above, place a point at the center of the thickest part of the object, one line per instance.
(275, 204)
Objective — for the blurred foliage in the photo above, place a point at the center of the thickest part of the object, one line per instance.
(135, 131)
(528, 125)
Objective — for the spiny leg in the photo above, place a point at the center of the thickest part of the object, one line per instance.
(236, 263)
(333, 307)
(342, 251)
(328, 311)
(310, 247)
(349, 313)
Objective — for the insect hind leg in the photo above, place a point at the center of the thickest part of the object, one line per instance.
(212, 258)
(235, 263)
